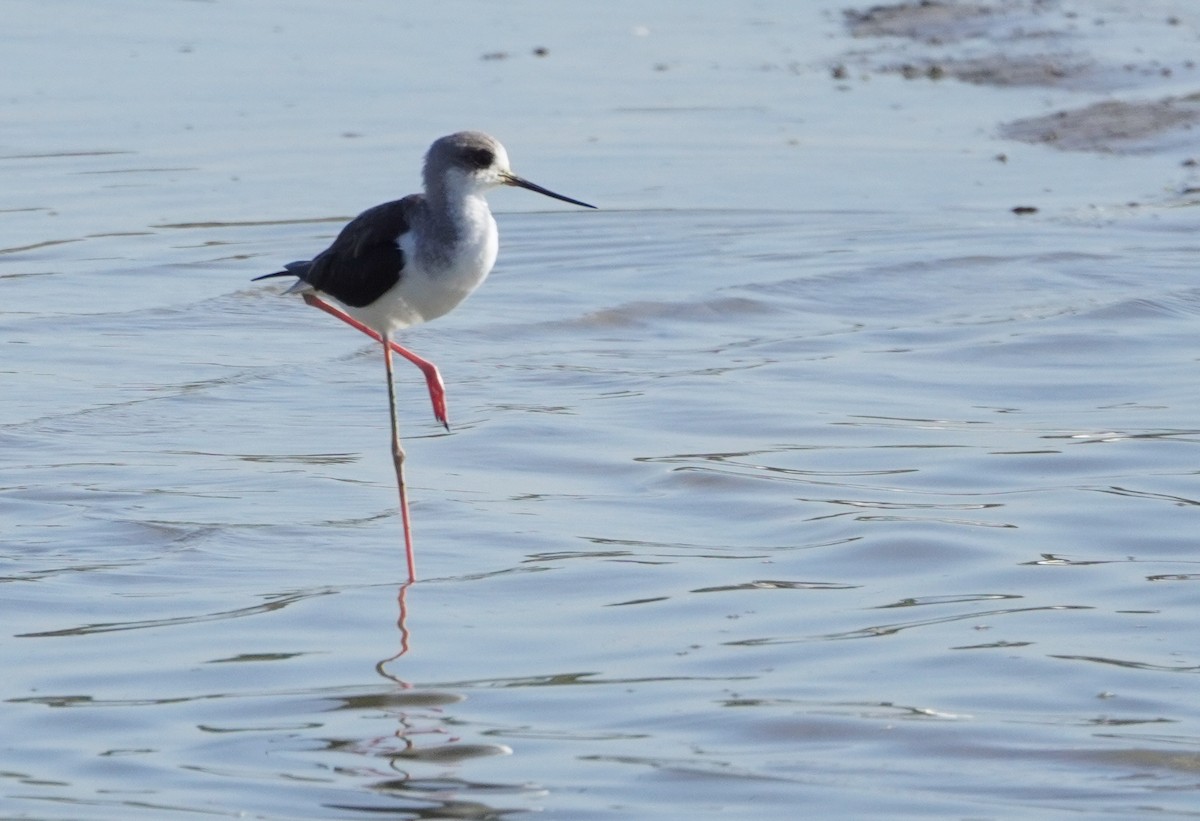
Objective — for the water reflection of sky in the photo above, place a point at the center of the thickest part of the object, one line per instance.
(804, 473)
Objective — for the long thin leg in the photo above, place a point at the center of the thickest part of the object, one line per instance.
(398, 461)
(433, 379)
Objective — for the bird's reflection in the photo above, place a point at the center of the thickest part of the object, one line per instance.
(414, 768)
(402, 626)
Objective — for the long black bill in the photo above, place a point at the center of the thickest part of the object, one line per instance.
(513, 179)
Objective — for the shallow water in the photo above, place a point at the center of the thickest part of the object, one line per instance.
(803, 474)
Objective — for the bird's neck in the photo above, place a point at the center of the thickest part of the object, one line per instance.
(458, 218)
(456, 210)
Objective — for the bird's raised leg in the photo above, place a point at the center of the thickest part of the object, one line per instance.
(398, 461)
(433, 378)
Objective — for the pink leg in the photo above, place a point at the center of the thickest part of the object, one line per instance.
(433, 379)
(398, 461)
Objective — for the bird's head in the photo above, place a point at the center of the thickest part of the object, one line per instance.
(476, 162)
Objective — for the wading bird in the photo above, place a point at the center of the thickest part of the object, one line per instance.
(412, 260)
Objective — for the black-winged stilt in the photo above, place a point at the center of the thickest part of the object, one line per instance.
(412, 260)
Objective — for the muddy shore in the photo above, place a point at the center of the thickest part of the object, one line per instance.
(1035, 43)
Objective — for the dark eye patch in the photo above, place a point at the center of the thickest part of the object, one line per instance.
(478, 157)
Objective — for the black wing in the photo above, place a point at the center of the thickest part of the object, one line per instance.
(365, 260)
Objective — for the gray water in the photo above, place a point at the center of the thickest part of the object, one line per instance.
(803, 479)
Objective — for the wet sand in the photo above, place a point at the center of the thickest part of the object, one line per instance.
(1038, 45)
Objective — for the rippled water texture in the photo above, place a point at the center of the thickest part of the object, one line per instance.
(804, 476)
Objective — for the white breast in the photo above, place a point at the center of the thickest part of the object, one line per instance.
(436, 278)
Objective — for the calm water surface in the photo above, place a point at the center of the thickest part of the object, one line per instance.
(802, 475)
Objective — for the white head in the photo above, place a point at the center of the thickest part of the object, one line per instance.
(471, 162)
